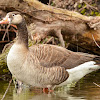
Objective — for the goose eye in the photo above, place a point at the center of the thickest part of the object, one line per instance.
(13, 14)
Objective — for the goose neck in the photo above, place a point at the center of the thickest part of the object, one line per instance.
(22, 34)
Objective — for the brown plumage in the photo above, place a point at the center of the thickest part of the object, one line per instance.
(40, 65)
(51, 55)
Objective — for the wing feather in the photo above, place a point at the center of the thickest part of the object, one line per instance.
(51, 55)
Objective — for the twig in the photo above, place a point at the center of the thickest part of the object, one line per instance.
(96, 84)
(6, 90)
(5, 33)
(50, 40)
(95, 41)
(88, 5)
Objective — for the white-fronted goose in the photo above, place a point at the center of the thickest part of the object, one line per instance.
(45, 65)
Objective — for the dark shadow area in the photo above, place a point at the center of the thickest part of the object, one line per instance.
(44, 1)
(11, 35)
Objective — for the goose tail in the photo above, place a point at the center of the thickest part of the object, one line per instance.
(76, 73)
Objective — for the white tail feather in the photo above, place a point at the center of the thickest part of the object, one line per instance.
(80, 71)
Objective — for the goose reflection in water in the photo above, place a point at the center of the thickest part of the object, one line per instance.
(36, 94)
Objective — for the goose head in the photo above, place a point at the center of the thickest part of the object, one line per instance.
(14, 18)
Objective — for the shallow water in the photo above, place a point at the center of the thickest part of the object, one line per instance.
(85, 89)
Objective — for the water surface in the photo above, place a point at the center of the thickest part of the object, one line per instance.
(85, 89)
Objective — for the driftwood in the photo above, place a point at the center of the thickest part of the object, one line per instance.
(68, 26)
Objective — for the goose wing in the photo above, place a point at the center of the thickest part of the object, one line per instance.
(51, 55)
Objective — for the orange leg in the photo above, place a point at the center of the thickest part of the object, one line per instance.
(46, 90)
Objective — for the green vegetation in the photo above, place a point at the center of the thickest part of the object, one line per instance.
(3, 64)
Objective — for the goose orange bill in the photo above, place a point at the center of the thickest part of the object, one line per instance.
(5, 21)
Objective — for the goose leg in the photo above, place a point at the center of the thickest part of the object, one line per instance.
(48, 90)
(45, 90)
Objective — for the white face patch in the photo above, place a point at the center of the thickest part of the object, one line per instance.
(16, 19)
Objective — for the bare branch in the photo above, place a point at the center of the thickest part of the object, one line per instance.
(7, 90)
